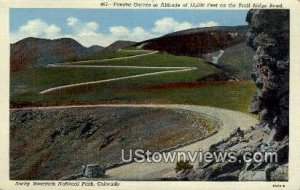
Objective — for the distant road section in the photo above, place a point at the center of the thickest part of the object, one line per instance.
(68, 65)
(114, 59)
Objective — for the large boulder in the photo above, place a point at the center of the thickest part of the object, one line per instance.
(268, 35)
(93, 171)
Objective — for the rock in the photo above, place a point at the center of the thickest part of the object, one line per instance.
(93, 171)
(235, 132)
(238, 147)
(270, 74)
(279, 174)
(182, 175)
(219, 171)
(283, 154)
(233, 141)
(270, 66)
(253, 176)
(213, 147)
(283, 65)
(198, 174)
(255, 105)
(232, 176)
(268, 139)
(245, 149)
(210, 172)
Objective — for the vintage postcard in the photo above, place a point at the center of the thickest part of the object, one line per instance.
(140, 94)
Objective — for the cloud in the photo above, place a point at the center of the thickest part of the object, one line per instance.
(119, 31)
(89, 33)
(140, 34)
(82, 28)
(33, 27)
(124, 33)
(92, 26)
(168, 24)
(86, 33)
(36, 28)
(52, 31)
(71, 21)
(208, 24)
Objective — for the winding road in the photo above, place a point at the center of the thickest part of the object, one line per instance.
(150, 171)
(68, 65)
(114, 59)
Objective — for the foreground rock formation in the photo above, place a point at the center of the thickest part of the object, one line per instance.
(268, 35)
(251, 141)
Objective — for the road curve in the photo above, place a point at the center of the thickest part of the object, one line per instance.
(149, 171)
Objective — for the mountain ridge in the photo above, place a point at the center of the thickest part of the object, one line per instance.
(119, 44)
(30, 52)
(196, 42)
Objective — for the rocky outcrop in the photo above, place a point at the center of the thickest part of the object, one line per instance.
(93, 171)
(238, 142)
(268, 35)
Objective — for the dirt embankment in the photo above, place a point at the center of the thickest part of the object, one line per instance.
(52, 143)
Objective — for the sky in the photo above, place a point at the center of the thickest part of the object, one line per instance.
(105, 26)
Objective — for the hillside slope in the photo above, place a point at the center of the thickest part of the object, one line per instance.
(235, 61)
(39, 52)
(198, 41)
(118, 45)
(38, 146)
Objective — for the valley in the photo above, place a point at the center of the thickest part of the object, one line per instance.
(122, 97)
(147, 76)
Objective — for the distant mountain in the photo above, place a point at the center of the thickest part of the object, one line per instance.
(119, 45)
(94, 49)
(31, 52)
(198, 41)
(240, 29)
(223, 46)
